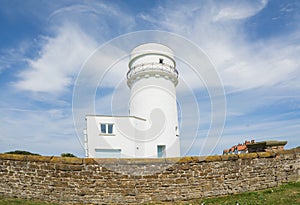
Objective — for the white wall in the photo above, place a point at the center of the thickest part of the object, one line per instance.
(157, 93)
(118, 140)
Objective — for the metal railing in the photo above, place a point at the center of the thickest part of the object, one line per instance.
(152, 67)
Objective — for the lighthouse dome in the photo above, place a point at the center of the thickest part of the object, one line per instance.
(151, 48)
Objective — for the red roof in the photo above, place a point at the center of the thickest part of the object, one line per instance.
(241, 147)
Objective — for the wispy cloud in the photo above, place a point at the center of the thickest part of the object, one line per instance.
(220, 31)
(101, 20)
(238, 10)
(44, 131)
(59, 60)
(71, 39)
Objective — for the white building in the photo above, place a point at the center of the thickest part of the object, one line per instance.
(151, 129)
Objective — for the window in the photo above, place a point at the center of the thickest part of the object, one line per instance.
(177, 131)
(161, 151)
(107, 153)
(110, 128)
(103, 128)
(106, 128)
(161, 60)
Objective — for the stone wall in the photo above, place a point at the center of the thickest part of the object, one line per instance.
(125, 181)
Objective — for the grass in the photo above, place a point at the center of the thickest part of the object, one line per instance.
(15, 201)
(285, 194)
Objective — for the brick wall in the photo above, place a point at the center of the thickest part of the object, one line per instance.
(119, 181)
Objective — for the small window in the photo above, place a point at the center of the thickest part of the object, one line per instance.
(108, 153)
(110, 128)
(161, 151)
(106, 128)
(103, 128)
(161, 60)
(177, 131)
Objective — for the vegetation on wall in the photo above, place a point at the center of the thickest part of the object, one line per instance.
(67, 155)
(22, 152)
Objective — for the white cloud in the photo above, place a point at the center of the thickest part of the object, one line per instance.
(101, 20)
(42, 131)
(262, 64)
(60, 59)
(242, 64)
(240, 10)
(75, 39)
(93, 9)
(11, 57)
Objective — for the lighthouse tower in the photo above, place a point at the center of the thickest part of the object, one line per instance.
(151, 129)
(152, 79)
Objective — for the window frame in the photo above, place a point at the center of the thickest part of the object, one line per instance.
(106, 128)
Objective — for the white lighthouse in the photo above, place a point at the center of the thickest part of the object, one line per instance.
(152, 79)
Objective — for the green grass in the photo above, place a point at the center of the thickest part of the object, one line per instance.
(15, 201)
(285, 194)
(288, 194)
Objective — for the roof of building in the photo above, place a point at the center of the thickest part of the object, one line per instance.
(148, 48)
(117, 116)
(253, 144)
(241, 147)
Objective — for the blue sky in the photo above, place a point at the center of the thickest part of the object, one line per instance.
(254, 46)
